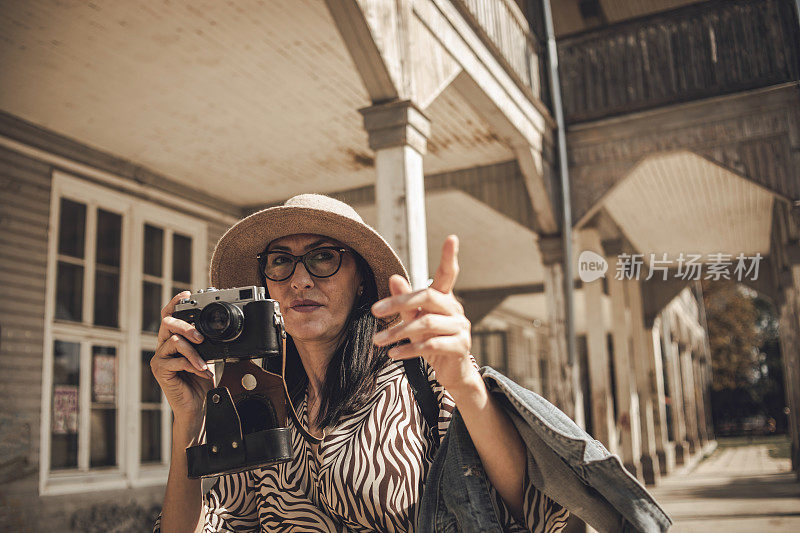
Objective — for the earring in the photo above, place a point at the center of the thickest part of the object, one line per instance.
(360, 291)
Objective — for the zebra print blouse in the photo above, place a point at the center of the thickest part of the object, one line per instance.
(367, 475)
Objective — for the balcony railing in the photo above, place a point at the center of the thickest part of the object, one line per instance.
(704, 50)
(503, 27)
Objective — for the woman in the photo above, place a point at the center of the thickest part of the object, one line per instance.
(341, 288)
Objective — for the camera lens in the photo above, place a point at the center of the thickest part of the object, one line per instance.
(220, 321)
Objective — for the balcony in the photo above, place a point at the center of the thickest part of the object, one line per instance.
(502, 26)
(704, 50)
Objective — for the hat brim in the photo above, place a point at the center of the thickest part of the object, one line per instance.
(234, 262)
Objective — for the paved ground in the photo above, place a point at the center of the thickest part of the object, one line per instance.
(741, 487)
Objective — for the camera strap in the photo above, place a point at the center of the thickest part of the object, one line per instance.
(313, 439)
(423, 393)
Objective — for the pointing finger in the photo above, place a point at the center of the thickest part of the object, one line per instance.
(445, 278)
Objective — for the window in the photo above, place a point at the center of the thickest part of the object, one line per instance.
(166, 271)
(114, 261)
(491, 348)
(89, 248)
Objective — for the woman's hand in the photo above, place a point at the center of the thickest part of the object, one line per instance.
(434, 323)
(180, 371)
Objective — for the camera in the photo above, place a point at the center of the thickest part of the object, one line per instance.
(246, 413)
(240, 323)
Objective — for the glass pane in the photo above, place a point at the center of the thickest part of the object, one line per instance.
(109, 237)
(153, 250)
(64, 451)
(66, 363)
(71, 228)
(69, 292)
(106, 299)
(182, 258)
(151, 436)
(64, 431)
(103, 442)
(151, 392)
(151, 306)
(104, 375)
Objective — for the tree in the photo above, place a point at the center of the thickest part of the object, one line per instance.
(745, 354)
(733, 335)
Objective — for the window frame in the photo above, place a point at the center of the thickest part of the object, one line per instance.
(127, 338)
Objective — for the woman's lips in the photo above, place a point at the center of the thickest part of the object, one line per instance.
(305, 306)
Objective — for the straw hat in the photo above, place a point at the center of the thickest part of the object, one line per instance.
(234, 263)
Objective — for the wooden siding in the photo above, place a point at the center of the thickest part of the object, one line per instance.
(698, 51)
(24, 218)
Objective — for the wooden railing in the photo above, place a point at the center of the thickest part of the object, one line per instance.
(704, 50)
(503, 27)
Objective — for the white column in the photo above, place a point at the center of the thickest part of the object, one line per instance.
(656, 370)
(560, 383)
(628, 423)
(677, 411)
(642, 350)
(699, 386)
(602, 403)
(689, 399)
(398, 133)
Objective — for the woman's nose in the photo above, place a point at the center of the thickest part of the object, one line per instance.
(301, 279)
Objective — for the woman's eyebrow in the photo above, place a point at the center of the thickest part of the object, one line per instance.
(314, 244)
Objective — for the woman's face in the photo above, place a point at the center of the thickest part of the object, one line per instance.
(314, 309)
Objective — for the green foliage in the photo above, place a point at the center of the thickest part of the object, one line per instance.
(732, 334)
(745, 353)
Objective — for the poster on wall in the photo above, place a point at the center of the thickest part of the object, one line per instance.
(104, 378)
(65, 409)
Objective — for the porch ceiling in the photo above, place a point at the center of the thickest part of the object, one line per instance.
(249, 101)
(681, 202)
(535, 306)
(494, 250)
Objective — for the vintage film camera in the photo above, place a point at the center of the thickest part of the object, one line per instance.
(246, 412)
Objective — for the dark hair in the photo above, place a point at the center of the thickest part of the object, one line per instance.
(353, 369)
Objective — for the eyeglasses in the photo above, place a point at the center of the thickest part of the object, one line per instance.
(322, 262)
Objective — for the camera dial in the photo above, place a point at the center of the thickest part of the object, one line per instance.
(220, 321)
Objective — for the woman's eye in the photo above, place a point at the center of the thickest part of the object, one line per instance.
(322, 255)
(279, 260)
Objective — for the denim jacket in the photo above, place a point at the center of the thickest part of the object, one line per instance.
(564, 462)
